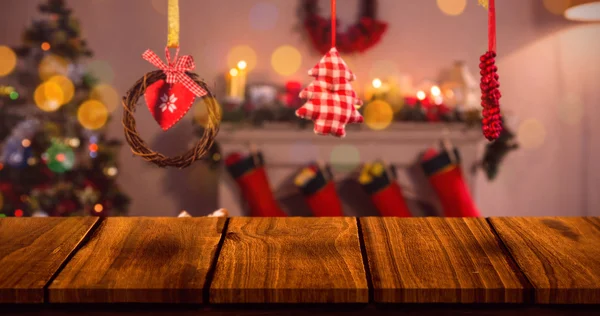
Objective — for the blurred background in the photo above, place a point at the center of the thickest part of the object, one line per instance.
(64, 65)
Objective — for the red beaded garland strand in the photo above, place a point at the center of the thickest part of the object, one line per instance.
(490, 92)
(490, 96)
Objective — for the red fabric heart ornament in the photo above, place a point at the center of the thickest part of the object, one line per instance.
(168, 103)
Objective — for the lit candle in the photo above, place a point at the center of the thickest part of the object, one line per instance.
(242, 74)
(233, 84)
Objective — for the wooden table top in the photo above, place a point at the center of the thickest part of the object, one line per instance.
(373, 260)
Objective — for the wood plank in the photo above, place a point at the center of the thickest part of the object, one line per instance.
(141, 260)
(439, 260)
(31, 252)
(559, 255)
(290, 260)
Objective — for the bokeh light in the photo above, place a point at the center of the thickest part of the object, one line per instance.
(242, 52)
(557, 7)
(378, 115)
(8, 60)
(92, 114)
(107, 95)
(286, 60)
(13, 95)
(452, 7)
(98, 208)
(102, 70)
(160, 6)
(60, 157)
(571, 110)
(45, 46)
(48, 96)
(421, 95)
(344, 158)
(377, 83)
(263, 16)
(52, 65)
(531, 134)
(66, 86)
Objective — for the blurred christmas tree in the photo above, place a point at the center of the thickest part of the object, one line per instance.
(54, 158)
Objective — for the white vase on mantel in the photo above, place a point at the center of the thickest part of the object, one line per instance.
(465, 86)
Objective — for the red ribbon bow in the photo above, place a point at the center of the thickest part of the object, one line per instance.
(176, 69)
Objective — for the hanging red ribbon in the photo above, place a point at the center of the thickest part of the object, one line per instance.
(492, 26)
(333, 23)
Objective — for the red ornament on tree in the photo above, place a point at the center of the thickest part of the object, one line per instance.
(331, 99)
(490, 94)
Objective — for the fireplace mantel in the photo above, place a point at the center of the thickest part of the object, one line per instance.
(287, 148)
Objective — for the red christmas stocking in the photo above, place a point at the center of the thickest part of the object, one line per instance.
(446, 177)
(383, 189)
(249, 173)
(319, 192)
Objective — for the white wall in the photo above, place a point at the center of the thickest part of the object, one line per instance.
(544, 62)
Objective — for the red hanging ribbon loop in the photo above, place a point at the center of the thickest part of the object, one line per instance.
(333, 23)
(176, 69)
(492, 26)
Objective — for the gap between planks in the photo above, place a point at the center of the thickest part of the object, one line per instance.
(529, 291)
(84, 240)
(529, 295)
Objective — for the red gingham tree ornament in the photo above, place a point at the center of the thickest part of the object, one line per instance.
(330, 98)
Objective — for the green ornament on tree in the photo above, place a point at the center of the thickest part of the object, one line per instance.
(60, 158)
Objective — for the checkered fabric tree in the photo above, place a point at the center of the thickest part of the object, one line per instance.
(330, 98)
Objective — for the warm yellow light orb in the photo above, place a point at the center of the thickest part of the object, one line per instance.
(67, 87)
(8, 60)
(92, 114)
(286, 60)
(242, 65)
(48, 96)
(234, 72)
(378, 115)
(52, 65)
(421, 95)
(452, 7)
(436, 91)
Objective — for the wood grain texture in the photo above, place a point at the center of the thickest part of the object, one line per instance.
(141, 260)
(290, 260)
(439, 260)
(559, 255)
(31, 252)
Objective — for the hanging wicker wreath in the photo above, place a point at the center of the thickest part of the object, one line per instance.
(138, 145)
(360, 36)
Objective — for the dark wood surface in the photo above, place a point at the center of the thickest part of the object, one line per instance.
(559, 256)
(141, 260)
(290, 260)
(32, 250)
(435, 260)
(417, 266)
